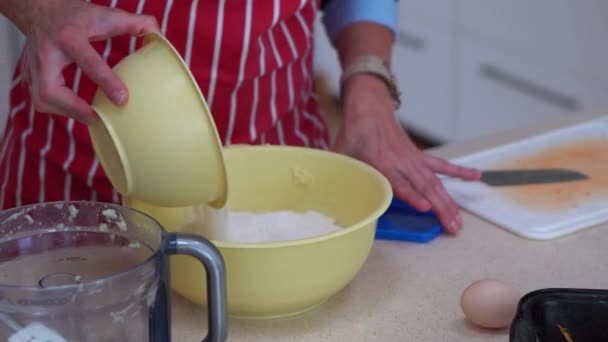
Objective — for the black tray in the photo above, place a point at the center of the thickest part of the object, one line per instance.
(583, 312)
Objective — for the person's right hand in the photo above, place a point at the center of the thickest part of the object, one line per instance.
(59, 33)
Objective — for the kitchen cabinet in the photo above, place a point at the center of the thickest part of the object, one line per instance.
(498, 91)
(432, 13)
(469, 68)
(325, 59)
(421, 63)
(6, 61)
(564, 34)
(10, 44)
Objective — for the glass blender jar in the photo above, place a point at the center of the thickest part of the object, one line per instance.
(88, 271)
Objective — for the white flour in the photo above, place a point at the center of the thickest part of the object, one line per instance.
(250, 227)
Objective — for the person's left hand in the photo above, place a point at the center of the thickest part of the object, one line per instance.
(371, 133)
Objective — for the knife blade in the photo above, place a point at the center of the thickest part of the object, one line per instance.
(510, 177)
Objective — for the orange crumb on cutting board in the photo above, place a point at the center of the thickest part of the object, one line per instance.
(587, 156)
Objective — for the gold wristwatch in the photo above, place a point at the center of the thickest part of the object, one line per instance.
(375, 66)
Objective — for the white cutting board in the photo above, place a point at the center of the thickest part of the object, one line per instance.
(488, 203)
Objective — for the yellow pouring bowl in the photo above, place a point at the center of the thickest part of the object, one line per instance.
(285, 278)
(162, 146)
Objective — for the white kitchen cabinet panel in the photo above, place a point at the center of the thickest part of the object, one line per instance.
(564, 34)
(11, 42)
(421, 64)
(8, 58)
(497, 92)
(325, 60)
(433, 13)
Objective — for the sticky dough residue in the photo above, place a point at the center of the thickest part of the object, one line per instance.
(119, 316)
(103, 227)
(301, 176)
(73, 212)
(135, 244)
(15, 216)
(113, 216)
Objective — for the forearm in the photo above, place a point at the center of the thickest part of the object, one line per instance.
(361, 27)
(19, 12)
(363, 31)
(364, 38)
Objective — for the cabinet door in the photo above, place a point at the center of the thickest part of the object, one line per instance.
(8, 58)
(433, 13)
(565, 34)
(325, 59)
(499, 92)
(421, 63)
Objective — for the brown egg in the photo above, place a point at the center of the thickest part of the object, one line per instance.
(490, 303)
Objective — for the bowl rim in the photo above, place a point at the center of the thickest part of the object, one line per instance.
(149, 38)
(370, 218)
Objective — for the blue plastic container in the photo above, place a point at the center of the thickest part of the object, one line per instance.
(404, 223)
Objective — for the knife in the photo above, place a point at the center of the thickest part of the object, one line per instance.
(508, 177)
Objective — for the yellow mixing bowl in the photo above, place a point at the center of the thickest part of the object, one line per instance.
(162, 146)
(278, 279)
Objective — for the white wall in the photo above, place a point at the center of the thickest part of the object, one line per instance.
(326, 60)
(10, 41)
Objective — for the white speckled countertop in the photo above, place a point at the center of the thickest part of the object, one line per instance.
(411, 292)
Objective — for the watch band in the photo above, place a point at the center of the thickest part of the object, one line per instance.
(375, 66)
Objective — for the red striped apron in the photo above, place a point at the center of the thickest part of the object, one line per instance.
(252, 63)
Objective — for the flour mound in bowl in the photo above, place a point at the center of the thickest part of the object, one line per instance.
(259, 227)
(250, 227)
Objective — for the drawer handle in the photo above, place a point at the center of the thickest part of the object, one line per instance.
(529, 88)
(410, 40)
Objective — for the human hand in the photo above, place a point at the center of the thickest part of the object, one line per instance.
(59, 33)
(372, 134)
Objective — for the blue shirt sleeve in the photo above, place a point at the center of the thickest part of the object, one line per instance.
(340, 13)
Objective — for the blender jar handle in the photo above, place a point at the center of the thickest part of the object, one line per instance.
(203, 250)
